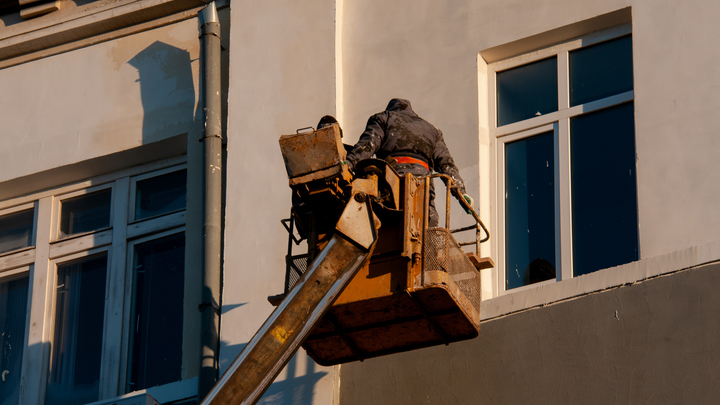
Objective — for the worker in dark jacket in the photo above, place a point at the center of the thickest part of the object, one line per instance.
(410, 144)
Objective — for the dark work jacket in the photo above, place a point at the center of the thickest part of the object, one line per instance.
(398, 131)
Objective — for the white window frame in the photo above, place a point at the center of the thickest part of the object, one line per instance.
(41, 260)
(133, 188)
(57, 209)
(559, 123)
(23, 256)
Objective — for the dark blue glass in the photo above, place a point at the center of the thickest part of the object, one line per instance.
(13, 310)
(85, 213)
(160, 195)
(601, 70)
(527, 91)
(16, 230)
(74, 375)
(157, 326)
(530, 210)
(604, 189)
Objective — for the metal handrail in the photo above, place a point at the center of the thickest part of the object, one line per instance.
(479, 225)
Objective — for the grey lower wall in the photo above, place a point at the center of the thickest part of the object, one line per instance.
(661, 348)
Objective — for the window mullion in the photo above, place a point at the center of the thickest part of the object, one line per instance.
(501, 265)
(42, 281)
(79, 244)
(24, 257)
(563, 81)
(563, 207)
(112, 340)
(563, 228)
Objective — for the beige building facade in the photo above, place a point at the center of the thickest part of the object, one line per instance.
(101, 178)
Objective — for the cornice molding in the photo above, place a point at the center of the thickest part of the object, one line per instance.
(48, 36)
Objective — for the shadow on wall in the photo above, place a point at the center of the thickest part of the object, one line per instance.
(297, 388)
(167, 91)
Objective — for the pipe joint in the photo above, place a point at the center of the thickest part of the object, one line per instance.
(211, 29)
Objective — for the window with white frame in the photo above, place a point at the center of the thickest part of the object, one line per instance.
(92, 287)
(566, 162)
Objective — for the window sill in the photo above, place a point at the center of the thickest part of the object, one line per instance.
(176, 391)
(544, 294)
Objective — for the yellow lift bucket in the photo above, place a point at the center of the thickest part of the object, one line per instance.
(419, 287)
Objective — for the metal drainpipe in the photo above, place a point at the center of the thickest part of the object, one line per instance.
(212, 139)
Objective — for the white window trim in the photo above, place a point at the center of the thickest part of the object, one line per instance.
(133, 188)
(105, 178)
(24, 256)
(16, 258)
(548, 293)
(57, 210)
(41, 260)
(559, 123)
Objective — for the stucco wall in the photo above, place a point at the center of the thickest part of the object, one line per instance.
(575, 352)
(653, 342)
(99, 100)
(281, 78)
(426, 51)
(103, 108)
(677, 78)
(284, 75)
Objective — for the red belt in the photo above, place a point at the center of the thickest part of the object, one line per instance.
(405, 159)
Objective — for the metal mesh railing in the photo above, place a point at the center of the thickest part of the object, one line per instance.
(296, 267)
(443, 253)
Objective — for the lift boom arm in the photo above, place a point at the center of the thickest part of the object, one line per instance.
(283, 332)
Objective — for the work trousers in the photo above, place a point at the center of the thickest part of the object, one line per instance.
(419, 171)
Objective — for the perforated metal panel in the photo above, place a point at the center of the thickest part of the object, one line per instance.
(296, 267)
(442, 253)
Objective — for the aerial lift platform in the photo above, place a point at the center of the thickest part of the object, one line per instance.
(375, 280)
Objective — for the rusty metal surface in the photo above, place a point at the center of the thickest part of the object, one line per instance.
(413, 196)
(358, 222)
(375, 280)
(393, 180)
(309, 152)
(415, 291)
(317, 175)
(392, 324)
(398, 302)
(455, 289)
(481, 263)
(443, 254)
(367, 186)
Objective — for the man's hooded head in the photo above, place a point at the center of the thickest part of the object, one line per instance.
(400, 104)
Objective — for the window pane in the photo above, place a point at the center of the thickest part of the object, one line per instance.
(16, 230)
(527, 91)
(601, 70)
(156, 351)
(13, 310)
(76, 348)
(530, 210)
(86, 213)
(604, 196)
(160, 195)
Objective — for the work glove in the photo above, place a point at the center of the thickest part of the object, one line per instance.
(470, 201)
